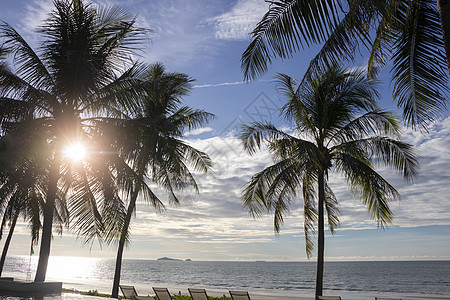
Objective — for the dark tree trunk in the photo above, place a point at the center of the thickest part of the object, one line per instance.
(126, 225)
(321, 236)
(444, 14)
(49, 207)
(7, 242)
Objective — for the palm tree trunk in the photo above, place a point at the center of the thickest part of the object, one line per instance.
(321, 236)
(126, 225)
(444, 14)
(49, 207)
(8, 241)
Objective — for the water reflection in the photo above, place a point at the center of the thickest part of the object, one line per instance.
(67, 268)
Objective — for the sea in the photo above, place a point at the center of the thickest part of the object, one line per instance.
(351, 280)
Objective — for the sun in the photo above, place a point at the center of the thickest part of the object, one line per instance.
(76, 152)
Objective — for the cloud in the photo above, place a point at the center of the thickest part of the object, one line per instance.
(179, 37)
(218, 84)
(239, 22)
(219, 202)
(214, 225)
(199, 131)
(33, 15)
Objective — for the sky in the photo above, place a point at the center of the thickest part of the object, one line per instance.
(205, 39)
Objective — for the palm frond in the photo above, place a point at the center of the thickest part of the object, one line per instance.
(380, 49)
(332, 208)
(419, 66)
(272, 189)
(309, 211)
(252, 136)
(388, 152)
(29, 65)
(284, 29)
(345, 38)
(372, 122)
(374, 190)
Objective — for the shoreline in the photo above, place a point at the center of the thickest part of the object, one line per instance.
(256, 294)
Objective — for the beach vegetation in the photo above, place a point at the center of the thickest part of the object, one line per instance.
(336, 128)
(82, 75)
(21, 197)
(413, 35)
(153, 148)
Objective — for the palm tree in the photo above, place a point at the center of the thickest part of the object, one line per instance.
(20, 195)
(22, 192)
(154, 149)
(337, 127)
(408, 33)
(83, 70)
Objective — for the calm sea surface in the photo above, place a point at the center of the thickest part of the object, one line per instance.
(271, 278)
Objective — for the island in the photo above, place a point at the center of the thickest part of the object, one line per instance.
(172, 259)
(167, 258)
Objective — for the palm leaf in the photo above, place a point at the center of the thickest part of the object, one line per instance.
(419, 66)
(285, 28)
(30, 67)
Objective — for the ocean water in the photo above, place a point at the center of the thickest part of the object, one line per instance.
(417, 279)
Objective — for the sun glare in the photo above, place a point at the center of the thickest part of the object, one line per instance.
(75, 152)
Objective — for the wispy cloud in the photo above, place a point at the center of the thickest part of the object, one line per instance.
(237, 23)
(199, 131)
(218, 84)
(33, 15)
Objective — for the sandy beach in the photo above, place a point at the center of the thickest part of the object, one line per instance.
(146, 289)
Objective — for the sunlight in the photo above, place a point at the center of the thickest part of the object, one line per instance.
(76, 152)
(74, 269)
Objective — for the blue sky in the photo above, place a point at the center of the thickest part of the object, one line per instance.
(205, 39)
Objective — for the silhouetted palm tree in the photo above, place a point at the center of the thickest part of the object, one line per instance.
(337, 127)
(19, 196)
(82, 72)
(154, 147)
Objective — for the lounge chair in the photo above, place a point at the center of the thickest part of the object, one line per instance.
(329, 297)
(129, 292)
(239, 295)
(198, 294)
(378, 298)
(162, 293)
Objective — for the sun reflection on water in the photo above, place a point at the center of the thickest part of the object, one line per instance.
(67, 268)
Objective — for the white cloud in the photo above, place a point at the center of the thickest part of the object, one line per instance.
(199, 131)
(424, 202)
(238, 23)
(218, 84)
(34, 14)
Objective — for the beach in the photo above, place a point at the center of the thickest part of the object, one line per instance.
(143, 289)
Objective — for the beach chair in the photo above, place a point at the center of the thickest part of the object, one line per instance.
(129, 292)
(239, 295)
(198, 294)
(379, 298)
(162, 293)
(329, 297)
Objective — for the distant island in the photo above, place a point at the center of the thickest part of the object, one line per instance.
(172, 259)
(167, 258)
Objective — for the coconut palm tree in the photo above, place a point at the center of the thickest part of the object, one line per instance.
(337, 127)
(19, 195)
(83, 70)
(22, 192)
(154, 148)
(408, 33)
